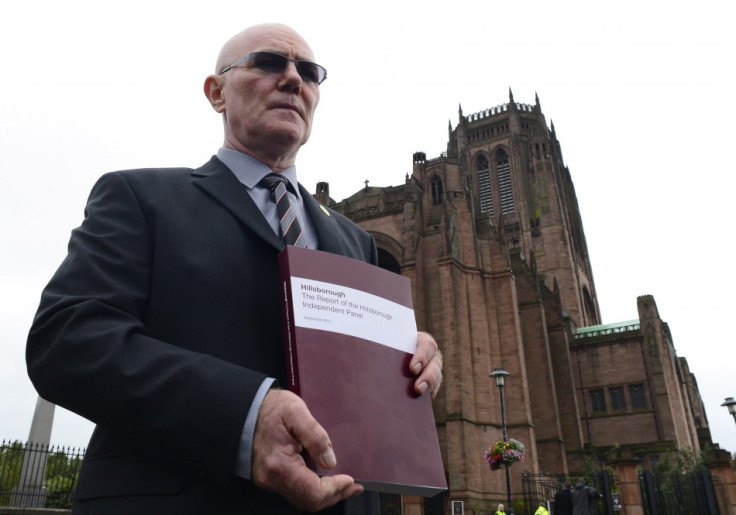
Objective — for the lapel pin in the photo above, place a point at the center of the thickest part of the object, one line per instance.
(324, 210)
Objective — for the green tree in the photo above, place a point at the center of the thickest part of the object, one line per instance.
(62, 471)
(11, 461)
(689, 460)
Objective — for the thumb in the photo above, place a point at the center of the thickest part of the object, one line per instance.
(310, 434)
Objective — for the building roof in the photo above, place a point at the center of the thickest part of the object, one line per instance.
(606, 329)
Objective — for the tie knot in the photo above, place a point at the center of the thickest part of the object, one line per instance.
(273, 180)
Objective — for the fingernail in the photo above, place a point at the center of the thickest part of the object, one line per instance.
(423, 387)
(417, 367)
(328, 459)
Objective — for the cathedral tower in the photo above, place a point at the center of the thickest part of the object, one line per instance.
(491, 237)
(521, 186)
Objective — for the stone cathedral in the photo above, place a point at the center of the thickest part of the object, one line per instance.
(491, 236)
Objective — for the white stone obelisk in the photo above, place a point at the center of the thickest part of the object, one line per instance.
(30, 492)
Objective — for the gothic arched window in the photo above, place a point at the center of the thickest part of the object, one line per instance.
(485, 195)
(435, 184)
(504, 182)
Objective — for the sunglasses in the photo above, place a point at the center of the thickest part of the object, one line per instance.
(271, 62)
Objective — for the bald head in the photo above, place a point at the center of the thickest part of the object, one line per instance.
(247, 41)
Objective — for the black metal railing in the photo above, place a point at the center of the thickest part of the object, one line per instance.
(675, 493)
(34, 475)
(538, 488)
(541, 488)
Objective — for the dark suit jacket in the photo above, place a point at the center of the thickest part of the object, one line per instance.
(159, 326)
(563, 502)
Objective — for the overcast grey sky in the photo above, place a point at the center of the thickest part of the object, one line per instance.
(641, 95)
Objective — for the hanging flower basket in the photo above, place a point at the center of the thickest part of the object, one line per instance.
(502, 452)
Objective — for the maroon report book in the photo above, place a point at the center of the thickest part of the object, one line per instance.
(350, 333)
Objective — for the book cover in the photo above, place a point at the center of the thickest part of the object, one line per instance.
(349, 334)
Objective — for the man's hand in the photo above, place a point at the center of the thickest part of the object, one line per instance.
(427, 365)
(285, 427)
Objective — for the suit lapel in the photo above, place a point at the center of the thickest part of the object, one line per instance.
(219, 182)
(324, 223)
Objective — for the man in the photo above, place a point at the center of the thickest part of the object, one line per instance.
(563, 500)
(163, 323)
(583, 498)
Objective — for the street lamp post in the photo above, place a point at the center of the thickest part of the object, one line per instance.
(499, 374)
(731, 405)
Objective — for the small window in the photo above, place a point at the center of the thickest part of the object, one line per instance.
(598, 401)
(436, 187)
(636, 394)
(618, 401)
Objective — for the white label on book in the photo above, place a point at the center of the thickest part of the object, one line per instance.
(339, 309)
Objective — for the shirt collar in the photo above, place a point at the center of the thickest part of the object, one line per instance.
(249, 170)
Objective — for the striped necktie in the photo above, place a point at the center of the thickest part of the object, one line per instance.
(291, 231)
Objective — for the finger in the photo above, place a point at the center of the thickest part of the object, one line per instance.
(427, 365)
(338, 488)
(307, 491)
(426, 349)
(315, 493)
(431, 377)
